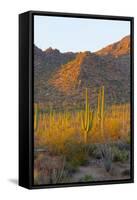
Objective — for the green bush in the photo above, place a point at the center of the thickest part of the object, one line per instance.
(120, 155)
(92, 150)
(79, 159)
(76, 154)
(70, 168)
(86, 178)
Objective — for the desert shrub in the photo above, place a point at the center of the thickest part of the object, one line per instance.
(96, 154)
(95, 151)
(70, 169)
(49, 169)
(79, 159)
(120, 155)
(86, 178)
(128, 138)
(106, 154)
(91, 149)
(123, 145)
(76, 154)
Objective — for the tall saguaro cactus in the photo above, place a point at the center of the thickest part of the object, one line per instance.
(100, 109)
(87, 118)
(36, 117)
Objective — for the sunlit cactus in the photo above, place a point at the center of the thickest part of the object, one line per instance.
(36, 117)
(86, 119)
(100, 109)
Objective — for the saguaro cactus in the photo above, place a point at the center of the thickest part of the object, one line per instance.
(87, 118)
(100, 109)
(36, 117)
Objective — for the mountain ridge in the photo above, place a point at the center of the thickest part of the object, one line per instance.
(116, 49)
(62, 77)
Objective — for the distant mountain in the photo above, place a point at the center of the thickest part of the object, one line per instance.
(61, 78)
(45, 64)
(119, 48)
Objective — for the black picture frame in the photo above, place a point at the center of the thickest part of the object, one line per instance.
(26, 93)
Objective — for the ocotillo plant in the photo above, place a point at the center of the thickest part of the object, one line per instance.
(87, 118)
(100, 109)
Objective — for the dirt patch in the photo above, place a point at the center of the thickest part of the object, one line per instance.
(98, 172)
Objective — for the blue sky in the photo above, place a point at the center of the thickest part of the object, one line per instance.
(76, 34)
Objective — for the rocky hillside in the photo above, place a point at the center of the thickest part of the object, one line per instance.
(61, 78)
(117, 49)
